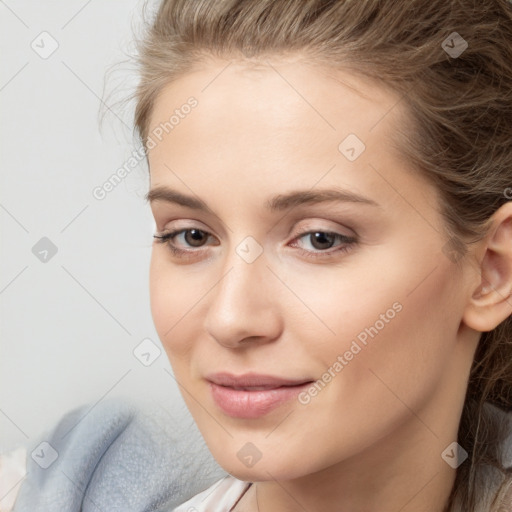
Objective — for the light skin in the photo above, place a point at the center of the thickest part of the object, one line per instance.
(372, 439)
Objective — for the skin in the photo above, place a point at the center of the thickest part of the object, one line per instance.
(372, 439)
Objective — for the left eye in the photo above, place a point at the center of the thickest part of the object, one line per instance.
(321, 240)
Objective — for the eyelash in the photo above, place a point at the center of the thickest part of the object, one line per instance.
(349, 242)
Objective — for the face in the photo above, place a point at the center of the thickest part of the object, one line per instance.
(316, 257)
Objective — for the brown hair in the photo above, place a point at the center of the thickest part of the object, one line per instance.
(461, 112)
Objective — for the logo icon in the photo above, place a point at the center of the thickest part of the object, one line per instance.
(249, 454)
(351, 147)
(44, 45)
(454, 45)
(249, 249)
(454, 455)
(44, 250)
(44, 455)
(147, 352)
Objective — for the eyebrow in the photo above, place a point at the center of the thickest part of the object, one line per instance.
(275, 204)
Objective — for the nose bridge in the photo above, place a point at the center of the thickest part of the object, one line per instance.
(244, 277)
(241, 304)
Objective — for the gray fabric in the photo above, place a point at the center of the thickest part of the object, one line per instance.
(117, 456)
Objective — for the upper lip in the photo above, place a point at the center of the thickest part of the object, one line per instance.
(252, 380)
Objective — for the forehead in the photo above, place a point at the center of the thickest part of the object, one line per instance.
(265, 99)
(277, 126)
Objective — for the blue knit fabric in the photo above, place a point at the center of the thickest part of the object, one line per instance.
(117, 456)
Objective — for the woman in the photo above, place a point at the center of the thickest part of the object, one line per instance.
(336, 243)
(332, 267)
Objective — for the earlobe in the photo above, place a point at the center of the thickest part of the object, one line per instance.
(491, 302)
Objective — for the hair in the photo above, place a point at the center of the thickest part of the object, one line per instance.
(459, 139)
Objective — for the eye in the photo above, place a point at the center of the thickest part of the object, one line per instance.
(320, 241)
(194, 237)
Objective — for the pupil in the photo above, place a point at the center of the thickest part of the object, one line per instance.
(323, 238)
(196, 237)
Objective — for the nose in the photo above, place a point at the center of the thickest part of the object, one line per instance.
(243, 308)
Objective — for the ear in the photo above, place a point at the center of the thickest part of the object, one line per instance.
(491, 300)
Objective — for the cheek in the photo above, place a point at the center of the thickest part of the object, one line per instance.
(171, 300)
(394, 330)
(401, 352)
(157, 295)
(395, 370)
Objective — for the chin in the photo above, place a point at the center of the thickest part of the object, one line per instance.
(262, 470)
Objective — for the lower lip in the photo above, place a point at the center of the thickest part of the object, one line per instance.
(253, 404)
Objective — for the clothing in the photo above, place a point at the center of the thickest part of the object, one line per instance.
(12, 473)
(115, 456)
(118, 457)
(222, 496)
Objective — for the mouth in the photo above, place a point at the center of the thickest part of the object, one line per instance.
(253, 381)
(257, 388)
(252, 395)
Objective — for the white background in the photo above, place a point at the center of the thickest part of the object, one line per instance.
(69, 325)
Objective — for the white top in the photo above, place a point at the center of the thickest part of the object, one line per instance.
(12, 473)
(222, 496)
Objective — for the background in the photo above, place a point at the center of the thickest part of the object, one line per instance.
(76, 324)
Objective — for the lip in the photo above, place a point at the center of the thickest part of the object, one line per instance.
(252, 395)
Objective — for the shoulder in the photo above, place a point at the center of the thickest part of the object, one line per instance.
(499, 481)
